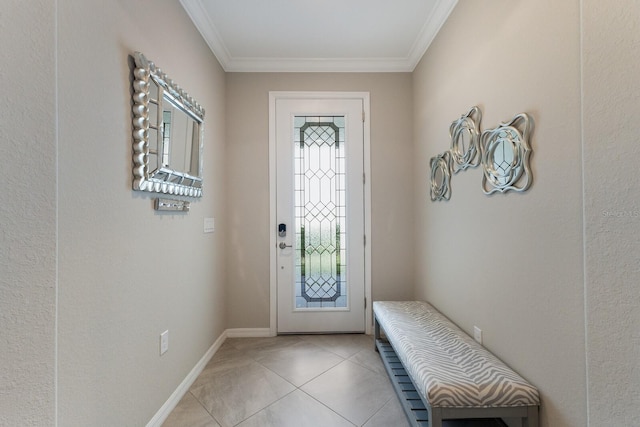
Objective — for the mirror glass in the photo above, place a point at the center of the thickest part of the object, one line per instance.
(438, 176)
(464, 134)
(181, 144)
(465, 140)
(168, 134)
(503, 155)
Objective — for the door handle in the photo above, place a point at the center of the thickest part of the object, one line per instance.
(283, 245)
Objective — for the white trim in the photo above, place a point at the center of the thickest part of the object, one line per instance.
(273, 96)
(436, 20)
(171, 403)
(249, 333)
(202, 21)
(325, 65)
(200, 17)
(163, 413)
(368, 312)
(273, 277)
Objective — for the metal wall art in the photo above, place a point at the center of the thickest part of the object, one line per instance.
(505, 153)
(168, 134)
(441, 177)
(465, 140)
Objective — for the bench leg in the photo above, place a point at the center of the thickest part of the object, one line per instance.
(532, 417)
(435, 417)
(376, 332)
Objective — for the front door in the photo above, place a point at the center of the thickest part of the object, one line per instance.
(319, 215)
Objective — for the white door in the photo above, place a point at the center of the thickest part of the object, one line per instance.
(319, 215)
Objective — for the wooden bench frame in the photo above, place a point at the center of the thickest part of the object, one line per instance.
(418, 410)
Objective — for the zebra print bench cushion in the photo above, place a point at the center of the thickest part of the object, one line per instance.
(448, 367)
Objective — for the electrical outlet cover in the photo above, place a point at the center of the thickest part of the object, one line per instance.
(164, 342)
(209, 225)
(477, 334)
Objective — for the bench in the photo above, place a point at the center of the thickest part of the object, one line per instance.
(439, 372)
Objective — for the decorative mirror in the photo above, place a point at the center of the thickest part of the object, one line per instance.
(168, 134)
(505, 153)
(465, 140)
(441, 177)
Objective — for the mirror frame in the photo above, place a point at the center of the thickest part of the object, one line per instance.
(467, 157)
(517, 175)
(164, 179)
(441, 188)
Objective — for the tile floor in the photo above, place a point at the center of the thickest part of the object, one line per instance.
(297, 381)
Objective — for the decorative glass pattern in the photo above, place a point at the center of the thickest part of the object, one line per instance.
(320, 212)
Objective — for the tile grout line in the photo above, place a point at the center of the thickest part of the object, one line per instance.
(344, 359)
(299, 388)
(258, 351)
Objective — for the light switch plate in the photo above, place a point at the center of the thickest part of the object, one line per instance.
(209, 225)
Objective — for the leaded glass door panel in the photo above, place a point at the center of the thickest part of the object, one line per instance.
(320, 203)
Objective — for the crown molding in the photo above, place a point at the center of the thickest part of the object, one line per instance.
(198, 14)
(324, 65)
(436, 20)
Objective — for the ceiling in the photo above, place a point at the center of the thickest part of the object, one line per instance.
(318, 35)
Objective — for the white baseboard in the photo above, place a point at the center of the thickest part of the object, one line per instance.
(248, 333)
(162, 414)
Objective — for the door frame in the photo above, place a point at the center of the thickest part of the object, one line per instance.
(273, 96)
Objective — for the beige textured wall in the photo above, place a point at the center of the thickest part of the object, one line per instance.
(512, 264)
(248, 177)
(27, 213)
(127, 273)
(611, 104)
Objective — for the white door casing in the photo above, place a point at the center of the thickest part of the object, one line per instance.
(289, 312)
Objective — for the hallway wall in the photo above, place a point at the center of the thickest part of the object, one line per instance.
(611, 102)
(248, 166)
(91, 275)
(126, 272)
(27, 213)
(511, 264)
